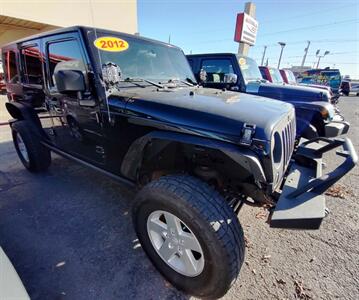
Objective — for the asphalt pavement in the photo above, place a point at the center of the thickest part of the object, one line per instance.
(69, 234)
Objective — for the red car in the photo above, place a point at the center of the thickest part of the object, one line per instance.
(288, 76)
(271, 74)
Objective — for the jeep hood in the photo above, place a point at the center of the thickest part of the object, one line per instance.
(203, 111)
(288, 93)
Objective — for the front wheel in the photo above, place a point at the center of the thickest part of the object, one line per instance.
(34, 156)
(190, 234)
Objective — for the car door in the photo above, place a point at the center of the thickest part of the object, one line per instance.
(32, 79)
(76, 116)
(216, 68)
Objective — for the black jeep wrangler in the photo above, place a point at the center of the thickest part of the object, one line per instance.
(316, 116)
(130, 108)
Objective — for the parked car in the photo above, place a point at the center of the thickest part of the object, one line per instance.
(10, 282)
(354, 88)
(327, 77)
(129, 107)
(271, 74)
(289, 78)
(315, 115)
(345, 87)
(348, 87)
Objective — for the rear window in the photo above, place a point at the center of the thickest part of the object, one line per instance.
(216, 69)
(10, 67)
(32, 65)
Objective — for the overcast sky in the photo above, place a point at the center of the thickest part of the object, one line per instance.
(208, 26)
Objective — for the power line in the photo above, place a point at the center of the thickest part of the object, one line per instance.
(277, 20)
(290, 30)
(335, 41)
(307, 14)
(313, 27)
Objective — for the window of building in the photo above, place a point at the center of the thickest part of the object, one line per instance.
(216, 69)
(10, 67)
(64, 55)
(32, 65)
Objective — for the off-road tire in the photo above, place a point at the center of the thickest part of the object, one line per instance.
(39, 157)
(210, 219)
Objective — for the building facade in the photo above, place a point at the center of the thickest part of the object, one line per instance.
(19, 19)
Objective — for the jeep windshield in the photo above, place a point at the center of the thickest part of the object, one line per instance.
(143, 60)
(249, 69)
(276, 77)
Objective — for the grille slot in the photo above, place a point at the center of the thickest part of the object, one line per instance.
(288, 138)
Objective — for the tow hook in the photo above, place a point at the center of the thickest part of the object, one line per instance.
(326, 211)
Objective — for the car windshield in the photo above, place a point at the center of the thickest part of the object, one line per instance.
(290, 76)
(249, 69)
(275, 74)
(145, 59)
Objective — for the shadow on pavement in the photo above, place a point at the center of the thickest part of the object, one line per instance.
(69, 234)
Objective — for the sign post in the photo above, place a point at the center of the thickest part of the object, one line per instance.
(246, 29)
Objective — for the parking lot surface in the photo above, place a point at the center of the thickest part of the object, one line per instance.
(69, 234)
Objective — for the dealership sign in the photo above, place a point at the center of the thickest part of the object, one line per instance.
(246, 29)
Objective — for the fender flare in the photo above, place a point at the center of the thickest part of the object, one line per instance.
(133, 159)
(21, 111)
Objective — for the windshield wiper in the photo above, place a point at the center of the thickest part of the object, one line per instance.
(188, 81)
(257, 80)
(130, 79)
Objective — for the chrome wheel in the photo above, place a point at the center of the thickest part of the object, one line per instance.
(22, 147)
(175, 243)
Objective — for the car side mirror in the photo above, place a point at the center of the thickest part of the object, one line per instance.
(230, 78)
(202, 76)
(69, 81)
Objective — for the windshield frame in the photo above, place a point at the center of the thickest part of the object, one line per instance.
(99, 56)
(277, 75)
(254, 67)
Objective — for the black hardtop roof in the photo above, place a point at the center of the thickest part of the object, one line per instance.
(82, 28)
(209, 54)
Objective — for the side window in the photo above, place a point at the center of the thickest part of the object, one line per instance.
(10, 67)
(64, 55)
(32, 65)
(216, 69)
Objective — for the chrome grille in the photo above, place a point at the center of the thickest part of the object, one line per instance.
(288, 139)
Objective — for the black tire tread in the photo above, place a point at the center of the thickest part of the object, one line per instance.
(39, 155)
(210, 204)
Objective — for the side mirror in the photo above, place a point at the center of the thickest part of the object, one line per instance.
(230, 78)
(68, 81)
(202, 75)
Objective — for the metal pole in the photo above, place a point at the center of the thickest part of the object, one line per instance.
(319, 57)
(305, 54)
(281, 52)
(249, 9)
(264, 54)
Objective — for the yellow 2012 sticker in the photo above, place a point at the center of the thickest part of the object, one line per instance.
(111, 43)
(242, 61)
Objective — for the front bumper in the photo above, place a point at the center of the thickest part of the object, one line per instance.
(302, 203)
(336, 128)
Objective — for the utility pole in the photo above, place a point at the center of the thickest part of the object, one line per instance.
(169, 39)
(305, 54)
(264, 54)
(249, 9)
(320, 56)
(282, 45)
